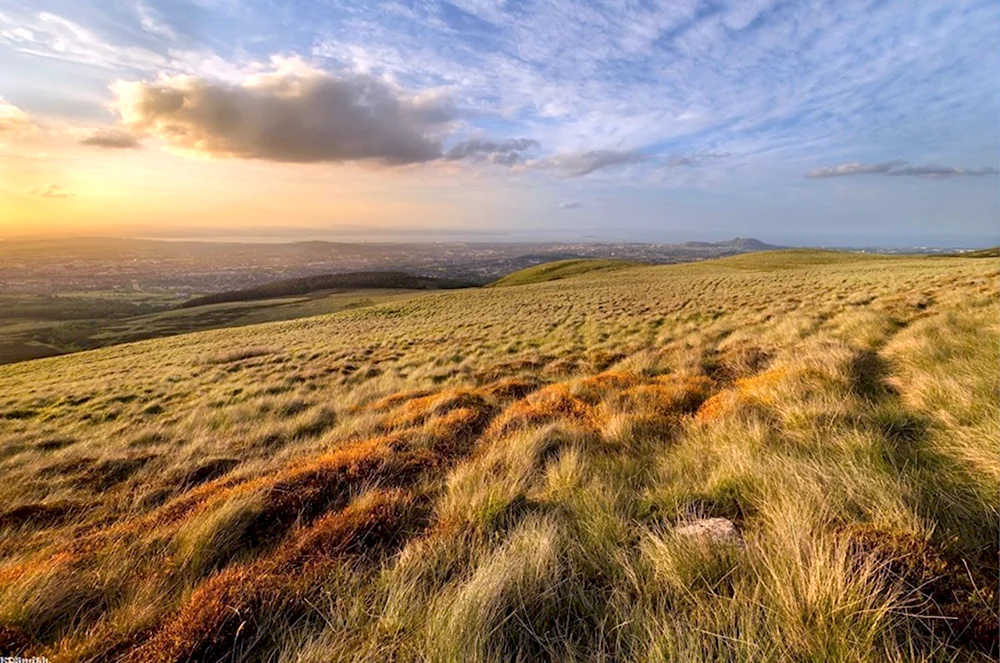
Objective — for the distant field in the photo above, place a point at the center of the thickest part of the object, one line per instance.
(511, 474)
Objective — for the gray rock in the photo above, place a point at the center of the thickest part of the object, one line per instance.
(714, 530)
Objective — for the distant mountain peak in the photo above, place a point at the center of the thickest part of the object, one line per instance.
(737, 244)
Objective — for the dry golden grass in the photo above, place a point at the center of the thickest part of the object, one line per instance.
(496, 475)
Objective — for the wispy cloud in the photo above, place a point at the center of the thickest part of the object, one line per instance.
(934, 172)
(13, 120)
(853, 168)
(897, 167)
(153, 23)
(570, 205)
(578, 164)
(51, 191)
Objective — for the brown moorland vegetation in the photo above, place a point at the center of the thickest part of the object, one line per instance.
(499, 475)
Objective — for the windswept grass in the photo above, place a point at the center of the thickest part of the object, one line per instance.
(498, 476)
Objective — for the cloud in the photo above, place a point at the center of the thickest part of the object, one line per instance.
(153, 24)
(504, 152)
(13, 120)
(578, 164)
(570, 205)
(294, 114)
(853, 168)
(898, 167)
(113, 139)
(692, 160)
(761, 79)
(51, 191)
(934, 172)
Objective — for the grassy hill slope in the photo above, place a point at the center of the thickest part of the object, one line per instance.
(326, 282)
(27, 334)
(560, 269)
(509, 474)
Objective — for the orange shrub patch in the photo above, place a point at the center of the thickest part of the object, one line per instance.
(235, 603)
(544, 406)
(746, 391)
(511, 388)
(417, 410)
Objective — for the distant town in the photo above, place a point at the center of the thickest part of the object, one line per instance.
(184, 269)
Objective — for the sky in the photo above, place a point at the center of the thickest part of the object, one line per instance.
(810, 122)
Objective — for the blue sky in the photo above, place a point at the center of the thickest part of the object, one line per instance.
(809, 122)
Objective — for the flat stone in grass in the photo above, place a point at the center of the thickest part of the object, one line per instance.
(712, 530)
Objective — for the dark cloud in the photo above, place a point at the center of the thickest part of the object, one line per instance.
(503, 152)
(299, 115)
(570, 204)
(578, 164)
(51, 191)
(113, 139)
(899, 168)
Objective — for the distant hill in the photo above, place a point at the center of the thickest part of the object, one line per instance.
(736, 244)
(992, 252)
(309, 284)
(559, 269)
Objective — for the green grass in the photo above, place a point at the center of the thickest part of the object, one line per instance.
(499, 474)
(560, 269)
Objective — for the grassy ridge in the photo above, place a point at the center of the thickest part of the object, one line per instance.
(560, 269)
(477, 476)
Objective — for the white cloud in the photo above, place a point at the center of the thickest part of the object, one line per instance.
(152, 23)
(570, 205)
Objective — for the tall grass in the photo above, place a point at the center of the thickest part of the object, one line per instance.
(500, 476)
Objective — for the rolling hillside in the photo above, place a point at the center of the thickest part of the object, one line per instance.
(772, 457)
(560, 269)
